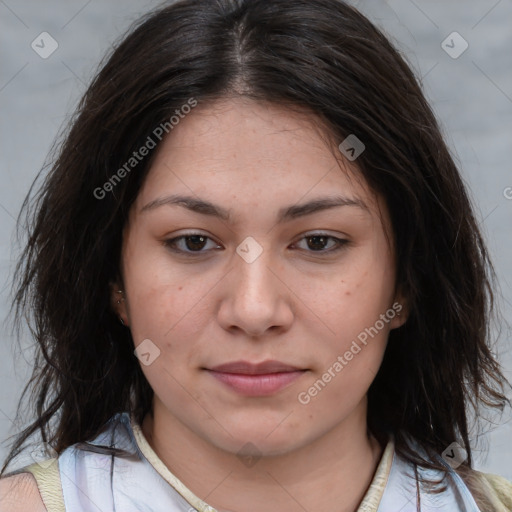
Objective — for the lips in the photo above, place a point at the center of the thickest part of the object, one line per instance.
(261, 379)
(246, 368)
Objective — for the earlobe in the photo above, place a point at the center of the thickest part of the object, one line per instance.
(401, 312)
(118, 302)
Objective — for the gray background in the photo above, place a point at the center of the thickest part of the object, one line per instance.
(471, 95)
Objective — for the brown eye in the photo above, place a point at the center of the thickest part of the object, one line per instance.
(322, 243)
(188, 244)
(195, 242)
(317, 243)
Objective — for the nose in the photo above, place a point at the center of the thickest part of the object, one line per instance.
(256, 299)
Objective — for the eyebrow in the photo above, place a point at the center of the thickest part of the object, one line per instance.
(287, 213)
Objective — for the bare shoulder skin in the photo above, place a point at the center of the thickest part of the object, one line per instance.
(19, 493)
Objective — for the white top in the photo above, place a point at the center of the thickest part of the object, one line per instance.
(99, 482)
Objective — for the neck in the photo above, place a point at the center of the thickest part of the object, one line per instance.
(335, 469)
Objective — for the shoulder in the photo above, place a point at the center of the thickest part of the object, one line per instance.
(498, 487)
(19, 493)
(491, 492)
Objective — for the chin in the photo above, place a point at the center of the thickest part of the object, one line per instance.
(260, 441)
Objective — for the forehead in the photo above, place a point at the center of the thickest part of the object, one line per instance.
(251, 155)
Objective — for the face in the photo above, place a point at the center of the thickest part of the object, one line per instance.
(278, 255)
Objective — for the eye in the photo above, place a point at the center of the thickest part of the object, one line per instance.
(189, 243)
(322, 242)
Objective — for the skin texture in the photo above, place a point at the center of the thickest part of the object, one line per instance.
(292, 304)
(19, 493)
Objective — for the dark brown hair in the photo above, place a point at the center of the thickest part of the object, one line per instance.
(319, 55)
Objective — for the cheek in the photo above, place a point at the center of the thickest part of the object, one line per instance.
(156, 291)
(348, 363)
(167, 312)
(154, 298)
(171, 311)
(352, 306)
(355, 299)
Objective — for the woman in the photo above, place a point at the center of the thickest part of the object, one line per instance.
(256, 279)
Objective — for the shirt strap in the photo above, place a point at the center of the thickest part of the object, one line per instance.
(375, 492)
(47, 476)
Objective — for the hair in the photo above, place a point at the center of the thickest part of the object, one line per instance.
(319, 55)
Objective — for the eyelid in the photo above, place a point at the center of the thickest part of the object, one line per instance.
(168, 242)
(321, 233)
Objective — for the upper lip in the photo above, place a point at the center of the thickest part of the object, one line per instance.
(265, 367)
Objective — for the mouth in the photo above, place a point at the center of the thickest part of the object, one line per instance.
(261, 379)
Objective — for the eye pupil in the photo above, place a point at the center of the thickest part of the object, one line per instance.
(198, 242)
(317, 246)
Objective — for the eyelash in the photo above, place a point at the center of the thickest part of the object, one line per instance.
(340, 243)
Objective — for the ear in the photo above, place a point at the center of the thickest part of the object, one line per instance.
(118, 302)
(401, 308)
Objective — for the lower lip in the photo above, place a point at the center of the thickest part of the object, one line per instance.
(257, 385)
